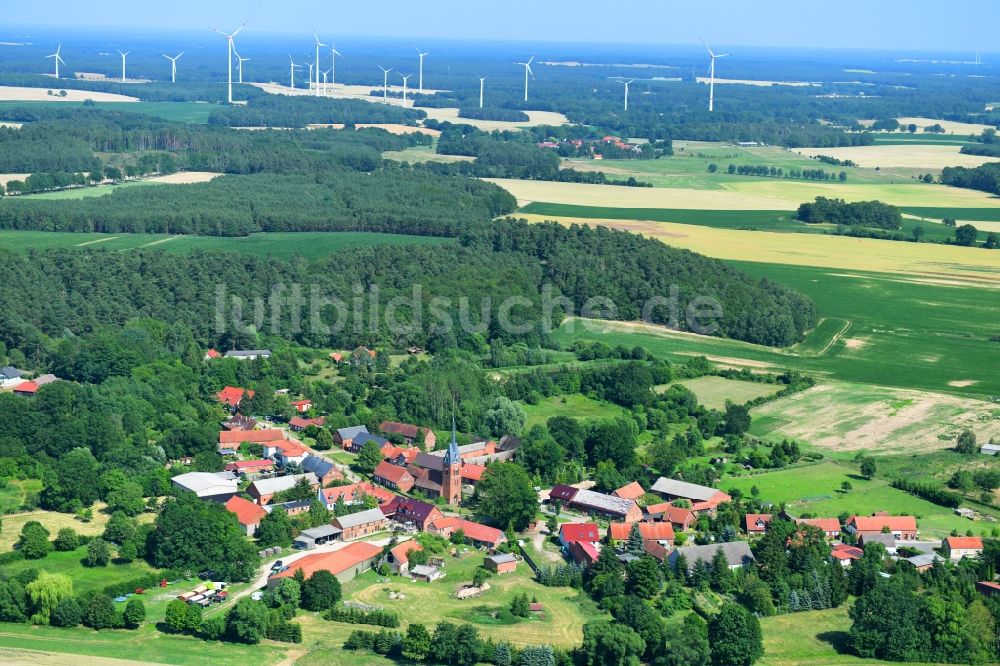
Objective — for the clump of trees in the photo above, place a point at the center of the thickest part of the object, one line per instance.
(874, 214)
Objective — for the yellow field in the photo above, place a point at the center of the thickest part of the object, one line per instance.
(924, 262)
(917, 156)
(534, 118)
(391, 128)
(950, 126)
(758, 82)
(22, 94)
(7, 177)
(750, 195)
(53, 522)
(184, 177)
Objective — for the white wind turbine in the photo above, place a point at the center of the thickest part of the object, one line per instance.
(333, 64)
(291, 71)
(482, 82)
(58, 58)
(420, 79)
(173, 65)
(405, 79)
(318, 44)
(310, 66)
(123, 54)
(711, 75)
(239, 63)
(230, 48)
(324, 73)
(626, 84)
(385, 83)
(527, 70)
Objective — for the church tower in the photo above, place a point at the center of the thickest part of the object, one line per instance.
(451, 471)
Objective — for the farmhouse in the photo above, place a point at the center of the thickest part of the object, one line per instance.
(298, 423)
(681, 518)
(702, 498)
(400, 456)
(324, 469)
(618, 533)
(501, 564)
(756, 523)
(479, 535)
(232, 396)
(958, 547)
(632, 491)
(248, 354)
(410, 433)
(884, 538)
(302, 406)
(247, 513)
(363, 438)
(354, 493)
(316, 536)
(239, 422)
(570, 533)
(292, 508)
(360, 524)
(344, 436)
(398, 557)
(26, 389)
(262, 490)
(285, 452)
(251, 469)
(901, 527)
(214, 486)
(406, 510)
(393, 476)
(737, 554)
(584, 553)
(846, 554)
(252, 436)
(10, 376)
(345, 563)
(598, 503)
(830, 526)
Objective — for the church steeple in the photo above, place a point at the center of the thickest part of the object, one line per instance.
(452, 456)
(451, 472)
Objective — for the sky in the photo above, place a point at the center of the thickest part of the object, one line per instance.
(915, 25)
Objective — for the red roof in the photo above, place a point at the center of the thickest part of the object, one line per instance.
(472, 471)
(241, 465)
(671, 513)
(288, 448)
(826, 524)
(630, 491)
(254, 436)
(337, 357)
(401, 552)
(650, 531)
(754, 518)
(585, 551)
(390, 472)
(336, 562)
(26, 387)
(965, 542)
(844, 552)
(404, 429)
(587, 532)
(232, 395)
(876, 523)
(473, 531)
(300, 422)
(211, 353)
(246, 511)
(354, 491)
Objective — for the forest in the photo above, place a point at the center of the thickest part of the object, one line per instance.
(872, 214)
(985, 177)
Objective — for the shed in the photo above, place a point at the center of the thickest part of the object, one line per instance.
(501, 563)
(316, 536)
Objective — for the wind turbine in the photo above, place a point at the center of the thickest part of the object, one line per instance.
(711, 75)
(318, 44)
(527, 70)
(173, 65)
(333, 64)
(324, 73)
(58, 58)
(310, 65)
(125, 53)
(291, 70)
(385, 83)
(239, 60)
(230, 49)
(626, 84)
(482, 80)
(405, 79)
(420, 80)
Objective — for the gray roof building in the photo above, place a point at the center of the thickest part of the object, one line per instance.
(737, 553)
(208, 485)
(278, 483)
(360, 518)
(248, 353)
(676, 488)
(502, 558)
(318, 466)
(352, 432)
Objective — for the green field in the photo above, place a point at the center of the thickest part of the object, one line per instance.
(84, 578)
(714, 392)
(308, 244)
(959, 214)
(816, 489)
(183, 112)
(83, 192)
(575, 405)
(895, 139)
(15, 492)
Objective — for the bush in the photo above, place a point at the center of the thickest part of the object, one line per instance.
(213, 629)
(352, 615)
(67, 539)
(100, 613)
(286, 632)
(98, 554)
(67, 613)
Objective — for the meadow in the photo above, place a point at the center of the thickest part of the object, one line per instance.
(15, 493)
(714, 392)
(575, 406)
(85, 579)
(53, 521)
(310, 245)
(182, 112)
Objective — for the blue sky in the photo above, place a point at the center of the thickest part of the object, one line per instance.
(965, 25)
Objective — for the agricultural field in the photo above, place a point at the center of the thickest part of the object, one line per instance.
(54, 521)
(182, 112)
(929, 158)
(23, 94)
(714, 392)
(421, 154)
(534, 118)
(311, 245)
(576, 406)
(949, 126)
(816, 489)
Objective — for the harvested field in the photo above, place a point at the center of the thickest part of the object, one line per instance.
(22, 94)
(714, 392)
(10, 125)
(917, 156)
(534, 118)
(950, 126)
(184, 177)
(7, 177)
(391, 128)
(757, 82)
(53, 522)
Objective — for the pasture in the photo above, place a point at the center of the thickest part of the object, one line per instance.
(576, 406)
(310, 245)
(714, 392)
(182, 112)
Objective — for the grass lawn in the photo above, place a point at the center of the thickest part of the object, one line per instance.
(84, 578)
(15, 492)
(183, 112)
(713, 392)
(816, 489)
(576, 405)
(566, 610)
(307, 244)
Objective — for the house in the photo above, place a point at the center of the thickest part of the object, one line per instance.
(252, 436)
(214, 486)
(298, 423)
(336, 357)
(481, 450)
(239, 422)
(251, 469)
(324, 469)
(846, 554)
(286, 452)
(472, 473)
(232, 396)
(302, 406)
(501, 564)
(398, 557)
(902, 527)
(248, 354)
(262, 490)
(400, 456)
(702, 498)
(316, 536)
(407, 510)
(618, 533)
(292, 508)
(989, 449)
(958, 547)
(632, 491)
(360, 524)
(354, 493)
(612, 507)
(886, 539)
(362, 438)
(393, 476)
(756, 523)
(440, 475)
(573, 532)
(737, 554)
(425, 573)
(26, 389)
(345, 563)
(830, 526)
(923, 561)
(681, 518)
(211, 354)
(10, 376)
(247, 513)
(657, 550)
(477, 534)
(344, 436)
(410, 433)
(584, 553)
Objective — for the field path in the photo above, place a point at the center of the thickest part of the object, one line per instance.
(162, 240)
(97, 240)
